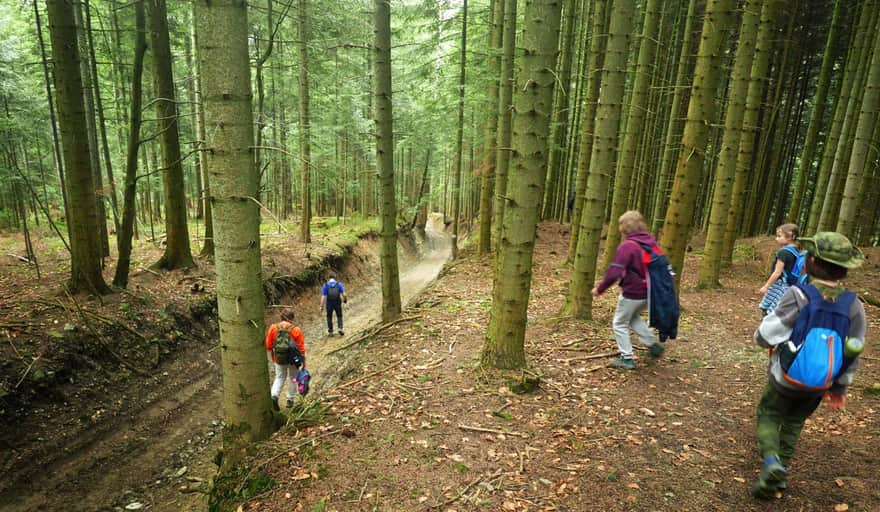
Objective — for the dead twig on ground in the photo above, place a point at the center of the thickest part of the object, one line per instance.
(27, 370)
(492, 431)
(372, 332)
(365, 377)
(464, 491)
(280, 453)
(588, 358)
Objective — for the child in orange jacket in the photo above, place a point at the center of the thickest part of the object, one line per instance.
(285, 371)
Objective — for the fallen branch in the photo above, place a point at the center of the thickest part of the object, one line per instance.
(465, 490)
(589, 357)
(367, 376)
(492, 431)
(372, 332)
(27, 370)
(19, 258)
(145, 269)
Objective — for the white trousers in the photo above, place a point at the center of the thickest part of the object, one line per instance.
(284, 372)
(629, 315)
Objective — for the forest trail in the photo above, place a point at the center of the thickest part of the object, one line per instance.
(158, 448)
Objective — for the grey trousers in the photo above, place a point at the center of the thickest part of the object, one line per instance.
(629, 315)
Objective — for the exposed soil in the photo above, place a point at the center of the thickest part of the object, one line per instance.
(94, 434)
(418, 426)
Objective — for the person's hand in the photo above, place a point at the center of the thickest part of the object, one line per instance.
(835, 402)
(763, 290)
(595, 291)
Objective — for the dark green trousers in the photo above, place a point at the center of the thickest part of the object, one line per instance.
(780, 421)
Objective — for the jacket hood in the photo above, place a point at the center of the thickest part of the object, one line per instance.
(642, 237)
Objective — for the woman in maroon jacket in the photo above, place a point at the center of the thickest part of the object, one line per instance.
(628, 270)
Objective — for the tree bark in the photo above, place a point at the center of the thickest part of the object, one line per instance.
(504, 346)
(456, 188)
(85, 264)
(177, 248)
(504, 122)
(391, 304)
(487, 175)
(222, 36)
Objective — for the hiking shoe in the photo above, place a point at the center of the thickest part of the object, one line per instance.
(341, 333)
(289, 403)
(275, 403)
(329, 332)
(773, 473)
(624, 363)
(656, 350)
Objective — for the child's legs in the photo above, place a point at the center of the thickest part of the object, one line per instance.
(280, 376)
(623, 316)
(793, 423)
(769, 421)
(640, 326)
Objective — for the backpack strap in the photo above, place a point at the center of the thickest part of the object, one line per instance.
(792, 250)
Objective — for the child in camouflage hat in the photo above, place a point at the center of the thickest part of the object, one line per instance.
(786, 403)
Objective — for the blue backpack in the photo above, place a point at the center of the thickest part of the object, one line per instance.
(814, 356)
(796, 275)
(663, 308)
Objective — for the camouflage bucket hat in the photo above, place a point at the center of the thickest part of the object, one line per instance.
(833, 248)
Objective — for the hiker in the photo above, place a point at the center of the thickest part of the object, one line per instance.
(815, 335)
(332, 297)
(286, 343)
(785, 272)
(628, 269)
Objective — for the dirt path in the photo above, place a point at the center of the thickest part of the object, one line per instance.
(156, 449)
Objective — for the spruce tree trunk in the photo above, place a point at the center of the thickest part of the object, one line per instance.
(594, 79)
(177, 249)
(85, 251)
(129, 192)
(757, 85)
(701, 114)
(456, 189)
(608, 118)
(490, 136)
(504, 346)
(504, 122)
(205, 193)
(733, 126)
(832, 203)
(391, 305)
(304, 125)
(833, 138)
(222, 36)
(635, 127)
(849, 205)
(670, 148)
(559, 124)
(816, 118)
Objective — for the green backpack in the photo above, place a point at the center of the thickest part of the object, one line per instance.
(286, 350)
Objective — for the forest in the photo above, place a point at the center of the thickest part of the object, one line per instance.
(175, 175)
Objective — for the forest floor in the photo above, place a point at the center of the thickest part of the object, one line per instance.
(412, 422)
(419, 426)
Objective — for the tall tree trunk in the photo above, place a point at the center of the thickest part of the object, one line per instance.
(635, 126)
(129, 195)
(534, 103)
(505, 106)
(304, 125)
(222, 36)
(205, 193)
(701, 114)
(817, 117)
(751, 116)
(608, 119)
(456, 189)
(85, 261)
(831, 205)
(177, 249)
(391, 304)
(867, 119)
(733, 126)
(670, 148)
(841, 102)
(56, 139)
(91, 128)
(559, 124)
(487, 176)
(594, 79)
(193, 95)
